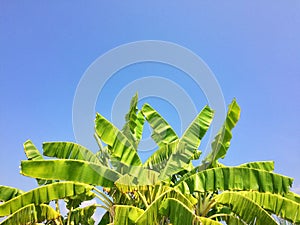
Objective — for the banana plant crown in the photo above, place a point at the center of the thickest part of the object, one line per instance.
(165, 189)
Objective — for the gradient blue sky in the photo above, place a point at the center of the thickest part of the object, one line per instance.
(253, 48)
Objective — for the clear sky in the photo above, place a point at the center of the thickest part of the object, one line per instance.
(253, 48)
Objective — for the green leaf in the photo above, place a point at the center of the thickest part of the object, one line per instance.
(141, 181)
(280, 206)
(43, 194)
(195, 132)
(46, 212)
(173, 157)
(151, 214)
(103, 156)
(177, 161)
(7, 193)
(234, 220)
(234, 178)
(133, 127)
(262, 165)
(31, 214)
(221, 142)
(126, 214)
(75, 201)
(292, 196)
(245, 208)
(157, 161)
(162, 131)
(70, 170)
(32, 153)
(179, 214)
(120, 147)
(188, 144)
(83, 215)
(69, 150)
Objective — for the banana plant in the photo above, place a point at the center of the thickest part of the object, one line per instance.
(166, 189)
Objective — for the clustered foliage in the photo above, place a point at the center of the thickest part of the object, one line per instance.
(166, 189)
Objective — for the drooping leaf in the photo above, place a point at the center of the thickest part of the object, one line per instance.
(7, 193)
(22, 216)
(221, 142)
(31, 214)
(69, 150)
(70, 170)
(46, 212)
(261, 165)
(179, 214)
(126, 214)
(162, 132)
(234, 220)
(83, 215)
(74, 202)
(152, 215)
(234, 178)
(43, 194)
(120, 147)
(245, 208)
(278, 205)
(141, 181)
(292, 196)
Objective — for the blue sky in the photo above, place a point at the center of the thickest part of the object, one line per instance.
(253, 48)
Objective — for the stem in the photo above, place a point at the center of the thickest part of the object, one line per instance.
(216, 215)
(69, 216)
(57, 206)
(143, 199)
(104, 196)
(210, 205)
(98, 141)
(102, 206)
(103, 200)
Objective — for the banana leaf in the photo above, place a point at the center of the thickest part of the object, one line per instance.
(69, 150)
(31, 214)
(261, 165)
(234, 178)
(82, 215)
(32, 153)
(276, 204)
(70, 170)
(245, 208)
(133, 127)
(126, 214)
(179, 214)
(162, 132)
(43, 194)
(7, 193)
(221, 142)
(175, 156)
(152, 215)
(119, 146)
